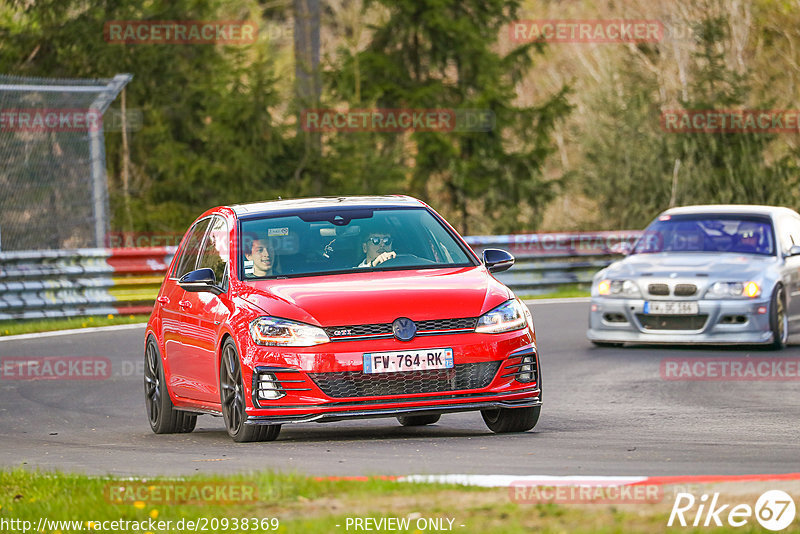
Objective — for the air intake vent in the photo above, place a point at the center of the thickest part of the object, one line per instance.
(357, 384)
(658, 289)
(672, 322)
(685, 290)
(424, 328)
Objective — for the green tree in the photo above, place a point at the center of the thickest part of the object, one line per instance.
(633, 168)
(627, 157)
(442, 54)
(729, 167)
(208, 134)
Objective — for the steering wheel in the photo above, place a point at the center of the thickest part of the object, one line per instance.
(406, 260)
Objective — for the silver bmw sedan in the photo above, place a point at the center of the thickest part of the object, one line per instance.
(724, 274)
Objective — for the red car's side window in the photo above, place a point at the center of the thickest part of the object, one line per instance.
(216, 250)
(190, 249)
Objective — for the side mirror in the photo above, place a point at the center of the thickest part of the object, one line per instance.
(623, 247)
(497, 260)
(794, 251)
(200, 281)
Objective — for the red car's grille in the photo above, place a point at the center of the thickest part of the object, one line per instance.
(357, 384)
(341, 333)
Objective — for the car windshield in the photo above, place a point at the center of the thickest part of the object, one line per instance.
(708, 233)
(347, 240)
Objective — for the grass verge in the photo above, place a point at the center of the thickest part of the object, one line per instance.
(11, 328)
(296, 503)
(30, 326)
(568, 291)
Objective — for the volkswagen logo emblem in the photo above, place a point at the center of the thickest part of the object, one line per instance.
(404, 329)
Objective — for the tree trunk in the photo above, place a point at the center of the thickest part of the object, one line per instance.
(307, 80)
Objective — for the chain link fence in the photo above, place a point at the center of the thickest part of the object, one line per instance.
(53, 186)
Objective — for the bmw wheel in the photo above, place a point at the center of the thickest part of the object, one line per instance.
(778, 320)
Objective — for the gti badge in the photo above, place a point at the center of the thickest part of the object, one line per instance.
(404, 329)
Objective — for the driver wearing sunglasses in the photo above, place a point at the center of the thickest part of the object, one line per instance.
(378, 249)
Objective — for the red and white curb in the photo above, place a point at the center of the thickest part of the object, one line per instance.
(504, 481)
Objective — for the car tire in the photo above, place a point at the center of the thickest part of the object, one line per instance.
(778, 320)
(163, 416)
(606, 344)
(418, 420)
(502, 420)
(232, 400)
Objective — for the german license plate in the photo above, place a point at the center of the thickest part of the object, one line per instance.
(670, 308)
(408, 360)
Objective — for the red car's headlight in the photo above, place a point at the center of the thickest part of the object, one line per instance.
(274, 331)
(510, 315)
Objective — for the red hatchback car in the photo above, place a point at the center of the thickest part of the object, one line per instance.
(328, 309)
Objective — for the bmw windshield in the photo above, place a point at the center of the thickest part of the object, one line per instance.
(708, 233)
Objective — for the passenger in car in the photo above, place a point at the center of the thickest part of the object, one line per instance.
(261, 254)
(749, 238)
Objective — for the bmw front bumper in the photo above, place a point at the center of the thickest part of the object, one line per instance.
(718, 322)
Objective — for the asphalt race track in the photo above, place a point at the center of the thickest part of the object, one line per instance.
(607, 411)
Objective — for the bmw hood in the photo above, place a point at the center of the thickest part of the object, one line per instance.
(732, 266)
(380, 297)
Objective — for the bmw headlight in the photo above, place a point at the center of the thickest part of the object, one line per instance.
(721, 290)
(509, 316)
(617, 288)
(276, 332)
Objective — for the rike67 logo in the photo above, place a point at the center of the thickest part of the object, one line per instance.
(774, 510)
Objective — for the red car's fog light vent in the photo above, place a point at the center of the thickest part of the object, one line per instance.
(269, 387)
(523, 371)
(273, 383)
(357, 384)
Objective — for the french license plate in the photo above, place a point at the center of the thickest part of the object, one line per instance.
(408, 360)
(670, 308)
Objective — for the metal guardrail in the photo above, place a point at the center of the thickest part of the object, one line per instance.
(546, 261)
(115, 281)
(68, 283)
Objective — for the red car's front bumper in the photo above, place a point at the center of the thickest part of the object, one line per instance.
(328, 383)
